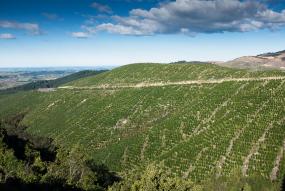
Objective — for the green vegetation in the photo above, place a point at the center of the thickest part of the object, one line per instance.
(33, 163)
(149, 73)
(153, 178)
(191, 136)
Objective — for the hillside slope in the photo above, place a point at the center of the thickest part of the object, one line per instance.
(263, 61)
(194, 130)
(156, 73)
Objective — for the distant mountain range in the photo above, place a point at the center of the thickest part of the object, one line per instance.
(275, 60)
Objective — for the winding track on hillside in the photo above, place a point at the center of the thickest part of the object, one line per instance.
(162, 84)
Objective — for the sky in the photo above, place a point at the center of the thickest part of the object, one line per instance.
(43, 33)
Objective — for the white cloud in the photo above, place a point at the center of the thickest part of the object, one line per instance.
(80, 35)
(119, 29)
(196, 16)
(101, 8)
(50, 16)
(7, 36)
(31, 28)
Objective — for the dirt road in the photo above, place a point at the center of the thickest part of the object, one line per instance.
(161, 84)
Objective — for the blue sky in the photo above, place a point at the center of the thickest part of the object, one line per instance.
(37, 33)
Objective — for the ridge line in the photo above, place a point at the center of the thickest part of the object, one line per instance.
(162, 84)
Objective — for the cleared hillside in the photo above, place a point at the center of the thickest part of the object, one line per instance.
(272, 60)
(195, 130)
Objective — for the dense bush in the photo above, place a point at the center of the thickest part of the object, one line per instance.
(153, 178)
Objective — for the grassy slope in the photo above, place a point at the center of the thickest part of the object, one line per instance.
(136, 73)
(189, 128)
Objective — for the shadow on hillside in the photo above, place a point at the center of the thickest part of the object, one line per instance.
(283, 184)
(15, 184)
(17, 139)
(26, 148)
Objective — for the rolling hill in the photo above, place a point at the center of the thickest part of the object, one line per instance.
(274, 60)
(194, 120)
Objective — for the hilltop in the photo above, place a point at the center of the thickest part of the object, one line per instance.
(156, 73)
(230, 121)
(263, 61)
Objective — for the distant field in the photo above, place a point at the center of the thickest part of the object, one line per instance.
(9, 79)
(196, 130)
(12, 77)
